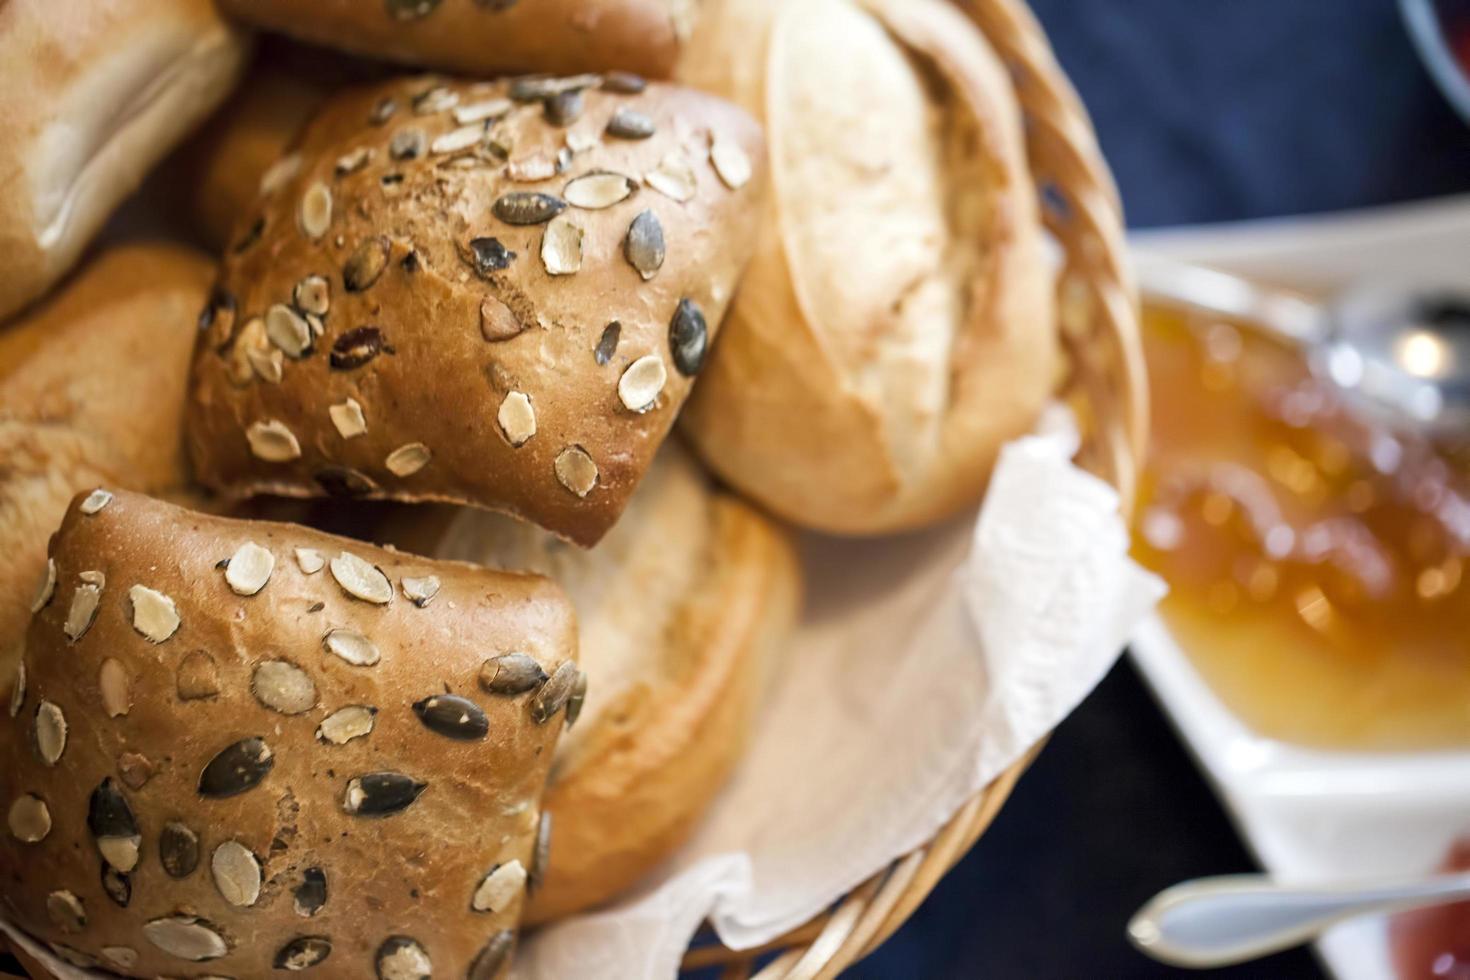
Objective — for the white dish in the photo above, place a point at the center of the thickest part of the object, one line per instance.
(1312, 815)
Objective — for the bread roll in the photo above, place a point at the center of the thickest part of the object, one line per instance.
(896, 324)
(489, 37)
(260, 748)
(418, 319)
(91, 392)
(95, 93)
(683, 610)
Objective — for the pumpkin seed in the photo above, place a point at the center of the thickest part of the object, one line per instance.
(113, 827)
(198, 677)
(408, 459)
(644, 245)
(365, 264)
(641, 383)
(453, 717)
(238, 767)
(674, 177)
(186, 937)
(236, 873)
(623, 83)
(117, 885)
(510, 674)
(303, 953)
(46, 589)
(527, 207)
(401, 958)
(112, 683)
(541, 852)
(361, 579)
(410, 9)
(352, 647)
(554, 693)
(407, 144)
(311, 894)
(688, 338)
(561, 247)
(499, 888)
(316, 210)
(66, 911)
(154, 614)
(457, 139)
(492, 957)
(18, 690)
(482, 111)
(178, 850)
(730, 162)
(383, 110)
(498, 322)
(348, 418)
(576, 470)
(421, 590)
(490, 255)
(313, 294)
(380, 794)
(283, 686)
(51, 730)
(95, 501)
(436, 99)
(629, 124)
(607, 344)
(599, 189)
(564, 108)
(356, 347)
(249, 569)
(517, 418)
(345, 724)
(124, 957)
(310, 560)
(353, 161)
(29, 819)
(578, 698)
(272, 441)
(84, 603)
(288, 331)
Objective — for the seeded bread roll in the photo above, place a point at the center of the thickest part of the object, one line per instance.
(683, 610)
(91, 392)
(489, 37)
(413, 317)
(95, 93)
(261, 748)
(895, 327)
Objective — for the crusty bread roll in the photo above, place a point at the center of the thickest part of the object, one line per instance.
(260, 747)
(896, 324)
(414, 317)
(489, 37)
(95, 93)
(91, 392)
(683, 609)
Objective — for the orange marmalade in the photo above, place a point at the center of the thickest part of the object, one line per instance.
(1317, 563)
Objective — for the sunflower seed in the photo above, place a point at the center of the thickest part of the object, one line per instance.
(218, 309)
(532, 169)
(580, 141)
(379, 794)
(554, 693)
(345, 724)
(249, 569)
(113, 827)
(317, 325)
(499, 888)
(124, 957)
(75, 957)
(356, 347)
(541, 852)
(311, 894)
(623, 83)
(410, 9)
(313, 294)
(490, 255)
(278, 174)
(134, 769)
(401, 958)
(236, 873)
(481, 111)
(407, 144)
(316, 210)
(348, 418)
(198, 677)
(46, 589)
(84, 602)
(629, 124)
(644, 245)
(303, 953)
(510, 674)
(288, 330)
(250, 352)
(561, 247)
(492, 957)
(640, 385)
(497, 321)
(353, 161)
(383, 110)
(578, 698)
(597, 190)
(517, 418)
(66, 911)
(154, 614)
(564, 108)
(272, 441)
(112, 682)
(96, 500)
(251, 236)
(310, 560)
(453, 717)
(117, 885)
(178, 850)
(18, 690)
(673, 177)
(283, 687)
(408, 459)
(30, 819)
(688, 338)
(186, 937)
(730, 162)
(437, 99)
(50, 732)
(457, 139)
(366, 264)
(352, 647)
(238, 767)
(527, 208)
(420, 591)
(268, 365)
(576, 470)
(607, 344)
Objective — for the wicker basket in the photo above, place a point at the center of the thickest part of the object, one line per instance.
(1106, 386)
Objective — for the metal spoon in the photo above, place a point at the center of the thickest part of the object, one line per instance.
(1399, 353)
(1233, 918)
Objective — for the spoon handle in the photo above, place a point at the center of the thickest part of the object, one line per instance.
(1230, 919)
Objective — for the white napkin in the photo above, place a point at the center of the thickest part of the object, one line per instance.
(923, 667)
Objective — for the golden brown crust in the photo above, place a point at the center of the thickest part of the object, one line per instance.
(160, 684)
(488, 37)
(889, 371)
(447, 346)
